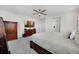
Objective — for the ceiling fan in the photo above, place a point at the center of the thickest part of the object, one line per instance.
(39, 12)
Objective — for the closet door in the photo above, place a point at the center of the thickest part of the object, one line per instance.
(11, 30)
(53, 24)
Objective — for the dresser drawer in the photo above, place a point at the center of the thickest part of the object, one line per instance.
(29, 32)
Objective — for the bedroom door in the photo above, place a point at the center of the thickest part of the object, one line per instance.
(11, 30)
(53, 24)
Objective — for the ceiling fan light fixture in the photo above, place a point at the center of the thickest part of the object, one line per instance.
(39, 12)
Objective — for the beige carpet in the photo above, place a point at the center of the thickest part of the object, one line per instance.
(20, 46)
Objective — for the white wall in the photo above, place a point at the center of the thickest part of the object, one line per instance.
(68, 21)
(52, 24)
(40, 24)
(8, 16)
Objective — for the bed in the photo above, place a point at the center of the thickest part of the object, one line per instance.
(44, 43)
(53, 42)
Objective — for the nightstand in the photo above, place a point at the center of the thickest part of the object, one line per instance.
(29, 32)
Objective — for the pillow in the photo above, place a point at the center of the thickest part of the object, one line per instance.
(72, 36)
(52, 34)
(61, 34)
(65, 34)
(77, 39)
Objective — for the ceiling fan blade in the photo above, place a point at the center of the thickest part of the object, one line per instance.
(43, 11)
(35, 13)
(35, 10)
(43, 14)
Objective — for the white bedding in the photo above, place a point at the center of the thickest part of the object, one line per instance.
(55, 42)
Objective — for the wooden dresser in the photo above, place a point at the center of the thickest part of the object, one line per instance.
(29, 32)
(11, 30)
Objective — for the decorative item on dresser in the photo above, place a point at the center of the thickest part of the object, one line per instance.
(29, 26)
(11, 30)
(29, 32)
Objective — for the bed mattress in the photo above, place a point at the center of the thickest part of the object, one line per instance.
(55, 43)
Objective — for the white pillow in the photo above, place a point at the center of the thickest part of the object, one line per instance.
(77, 40)
(60, 34)
(72, 36)
(64, 34)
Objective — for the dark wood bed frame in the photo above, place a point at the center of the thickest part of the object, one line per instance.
(38, 48)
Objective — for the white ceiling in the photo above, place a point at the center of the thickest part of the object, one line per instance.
(28, 9)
